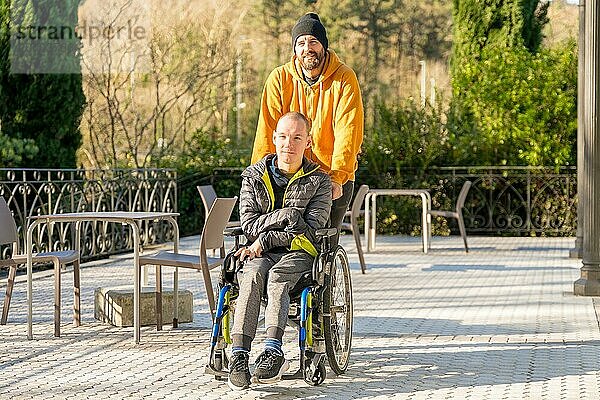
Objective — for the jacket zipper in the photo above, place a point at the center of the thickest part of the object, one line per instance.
(294, 178)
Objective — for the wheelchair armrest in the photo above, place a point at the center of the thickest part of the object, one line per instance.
(326, 232)
(233, 231)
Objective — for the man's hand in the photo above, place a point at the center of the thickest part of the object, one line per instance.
(255, 250)
(336, 190)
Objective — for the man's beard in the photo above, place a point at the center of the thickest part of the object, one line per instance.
(312, 60)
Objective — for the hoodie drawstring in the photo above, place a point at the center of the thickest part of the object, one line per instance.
(300, 96)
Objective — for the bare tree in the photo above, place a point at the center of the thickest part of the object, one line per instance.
(144, 100)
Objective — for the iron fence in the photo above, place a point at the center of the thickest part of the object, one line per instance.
(502, 201)
(517, 200)
(30, 192)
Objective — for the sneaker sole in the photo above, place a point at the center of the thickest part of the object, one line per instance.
(236, 388)
(276, 378)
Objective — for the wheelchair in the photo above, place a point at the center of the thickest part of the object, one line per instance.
(320, 309)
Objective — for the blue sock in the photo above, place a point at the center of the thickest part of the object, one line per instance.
(274, 344)
(239, 349)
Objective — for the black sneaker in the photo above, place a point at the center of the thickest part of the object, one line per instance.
(270, 366)
(239, 374)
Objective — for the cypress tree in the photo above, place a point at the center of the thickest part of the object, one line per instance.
(502, 23)
(41, 94)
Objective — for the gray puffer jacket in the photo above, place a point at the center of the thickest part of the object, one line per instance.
(306, 207)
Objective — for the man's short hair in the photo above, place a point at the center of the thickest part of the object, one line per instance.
(296, 116)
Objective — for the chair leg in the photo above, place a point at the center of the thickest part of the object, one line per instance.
(463, 231)
(209, 291)
(359, 250)
(12, 273)
(57, 290)
(159, 315)
(76, 294)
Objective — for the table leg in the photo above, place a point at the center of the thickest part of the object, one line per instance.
(77, 278)
(367, 220)
(159, 316)
(175, 297)
(373, 230)
(145, 275)
(136, 282)
(428, 219)
(76, 294)
(176, 273)
(29, 250)
(56, 298)
(424, 227)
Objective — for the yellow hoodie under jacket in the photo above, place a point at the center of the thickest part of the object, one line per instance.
(333, 105)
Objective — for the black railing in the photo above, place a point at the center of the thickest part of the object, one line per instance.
(31, 192)
(512, 201)
(502, 201)
(519, 200)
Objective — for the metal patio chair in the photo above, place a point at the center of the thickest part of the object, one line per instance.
(8, 235)
(353, 214)
(211, 238)
(457, 213)
(208, 196)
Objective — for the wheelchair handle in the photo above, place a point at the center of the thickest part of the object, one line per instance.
(233, 231)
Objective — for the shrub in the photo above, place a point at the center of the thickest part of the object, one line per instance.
(405, 140)
(404, 135)
(204, 153)
(518, 108)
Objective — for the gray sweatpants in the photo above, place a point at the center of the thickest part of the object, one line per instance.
(278, 273)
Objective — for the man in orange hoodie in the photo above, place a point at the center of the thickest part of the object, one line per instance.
(317, 84)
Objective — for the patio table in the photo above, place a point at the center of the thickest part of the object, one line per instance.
(131, 218)
(371, 213)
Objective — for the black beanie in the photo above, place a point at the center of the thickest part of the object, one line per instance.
(310, 24)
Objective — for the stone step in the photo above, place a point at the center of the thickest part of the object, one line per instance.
(115, 306)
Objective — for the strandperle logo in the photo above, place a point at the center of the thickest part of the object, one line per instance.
(83, 31)
(73, 37)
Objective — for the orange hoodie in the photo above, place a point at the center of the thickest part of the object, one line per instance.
(333, 105)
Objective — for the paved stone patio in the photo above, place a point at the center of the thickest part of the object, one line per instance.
(500, 322)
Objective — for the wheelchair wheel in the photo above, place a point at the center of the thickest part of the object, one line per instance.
(337, 312)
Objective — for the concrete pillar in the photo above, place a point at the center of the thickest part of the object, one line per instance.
(577, 251)
(589, 282)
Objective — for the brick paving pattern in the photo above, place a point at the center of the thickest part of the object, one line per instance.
(500, 322)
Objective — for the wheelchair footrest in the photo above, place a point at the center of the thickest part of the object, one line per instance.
(210, 370)
(296, 375)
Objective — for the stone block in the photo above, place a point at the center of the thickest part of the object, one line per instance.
(115, 306)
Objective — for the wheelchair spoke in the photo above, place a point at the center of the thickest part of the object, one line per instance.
(338, 309)
(339, 306)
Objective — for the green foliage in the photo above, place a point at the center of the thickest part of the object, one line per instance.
(517, 108)
(15, 152)
(500, 23)
(405, 141)
(205, 153)
(404, 135)
(44, 109)
(505, 23)
(513, 102)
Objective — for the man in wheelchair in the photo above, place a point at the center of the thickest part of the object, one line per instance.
(284, 199)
